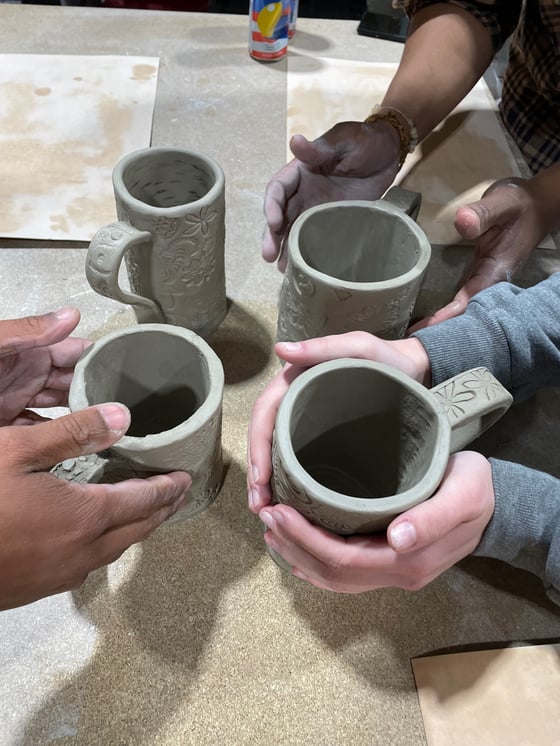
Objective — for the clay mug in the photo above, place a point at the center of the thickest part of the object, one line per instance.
(353, 265)
(172, 382)
(358, 442)
(171, 233)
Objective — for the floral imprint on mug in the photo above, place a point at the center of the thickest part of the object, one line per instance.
(200, 223)
(457, 394)
(341, 294)
(303, 284)
(285, 491)
(165, 227)
(187, 262)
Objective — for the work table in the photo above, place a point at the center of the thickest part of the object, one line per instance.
(196, 636)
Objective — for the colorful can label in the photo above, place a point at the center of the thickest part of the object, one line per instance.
(268, 29)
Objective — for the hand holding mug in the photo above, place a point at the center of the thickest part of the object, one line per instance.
(418, 546)
(407, 355)
(53, 533)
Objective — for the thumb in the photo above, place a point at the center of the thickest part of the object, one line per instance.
(42, 446)
(473, 220)
(314, 153)
(501, 202)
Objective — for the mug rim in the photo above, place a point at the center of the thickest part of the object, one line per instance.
(77, 396)
(371, 508)
(295, 255)
(122, 192)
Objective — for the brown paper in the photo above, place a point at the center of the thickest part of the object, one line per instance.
(500, 697)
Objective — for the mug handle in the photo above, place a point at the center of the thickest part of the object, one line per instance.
(405, 199)
(472, 401)
(104, 257)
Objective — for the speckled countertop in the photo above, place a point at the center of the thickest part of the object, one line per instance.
(196, 637)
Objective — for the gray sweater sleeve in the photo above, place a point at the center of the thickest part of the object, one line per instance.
(515, 333)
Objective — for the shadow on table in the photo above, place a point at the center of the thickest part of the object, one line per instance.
(377, 633)
(156, 610)
(478, 601)
(243, 344)
(153, 628)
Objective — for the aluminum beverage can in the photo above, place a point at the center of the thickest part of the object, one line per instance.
(268, 29)
(294, 5)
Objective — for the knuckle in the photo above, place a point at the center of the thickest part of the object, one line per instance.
(417, 577)
(12, 446)
(78, 431)
(85, 515)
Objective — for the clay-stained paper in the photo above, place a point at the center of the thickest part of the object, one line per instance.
(65, 120)
(451, 167)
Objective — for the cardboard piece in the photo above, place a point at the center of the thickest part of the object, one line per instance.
(490, 697)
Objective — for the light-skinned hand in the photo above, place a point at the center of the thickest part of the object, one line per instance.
(352, 160)
(407, 355)
(419, 545)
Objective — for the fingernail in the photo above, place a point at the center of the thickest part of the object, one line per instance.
(178, 504)
(116, 417)
(299, 574)
(291, 346)
(271, 542)
(256, 473)
(253, 499)
(267, 518)
(402, 536)
(64, 313)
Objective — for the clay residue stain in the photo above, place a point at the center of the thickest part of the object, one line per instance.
(62, 176)
(143, 72)
(59, 224)
(42, 91)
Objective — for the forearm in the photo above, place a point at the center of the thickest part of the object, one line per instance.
(446, 53)
(513, 332)
(525, 528)
(544, 189)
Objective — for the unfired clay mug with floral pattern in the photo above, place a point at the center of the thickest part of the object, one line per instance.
(173, 383)
(357, 442)
(171, 233)
(353, 265)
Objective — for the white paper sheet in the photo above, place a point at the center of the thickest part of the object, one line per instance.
(453, 166)
(65, 120)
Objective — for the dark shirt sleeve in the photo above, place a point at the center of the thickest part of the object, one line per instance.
(499, 17)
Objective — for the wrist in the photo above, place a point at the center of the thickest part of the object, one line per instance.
(544, 192)
(420, 367)
(403, 127)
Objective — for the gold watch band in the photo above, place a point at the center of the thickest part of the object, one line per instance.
(407, 132)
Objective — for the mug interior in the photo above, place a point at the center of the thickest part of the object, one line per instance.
(358, 243)
(167, 179)
(363, 434)
(161, 378)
